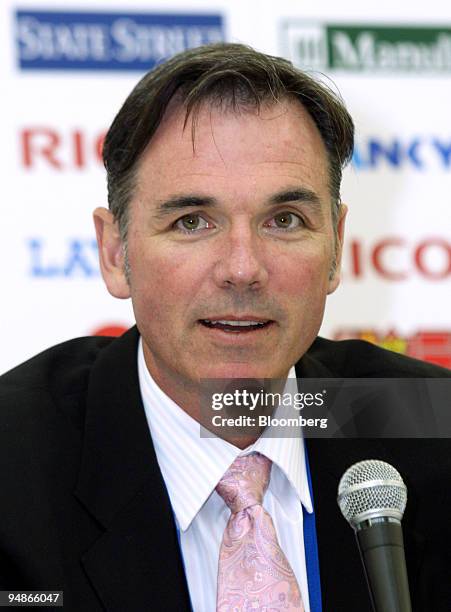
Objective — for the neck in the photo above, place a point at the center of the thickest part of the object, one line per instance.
(228, 409)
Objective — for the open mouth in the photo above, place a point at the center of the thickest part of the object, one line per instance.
(234, 326)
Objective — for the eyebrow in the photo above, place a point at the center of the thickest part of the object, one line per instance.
(301, 194)
(181, 202)
(177, 203)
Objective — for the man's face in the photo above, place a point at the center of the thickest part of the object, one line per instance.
(230, 244)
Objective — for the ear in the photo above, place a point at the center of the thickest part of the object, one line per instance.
(111, 253)
(334, 279)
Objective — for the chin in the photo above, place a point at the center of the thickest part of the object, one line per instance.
(242, 370)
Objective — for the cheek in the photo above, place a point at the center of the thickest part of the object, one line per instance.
(165, 278)
(302, 275)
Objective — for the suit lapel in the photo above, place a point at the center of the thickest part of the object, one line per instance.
(341, 572)
(342, 577)
(136, 564)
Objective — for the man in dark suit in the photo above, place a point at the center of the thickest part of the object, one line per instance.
(225, 228)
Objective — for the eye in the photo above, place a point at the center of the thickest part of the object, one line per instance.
(285, 220)
(192, 223)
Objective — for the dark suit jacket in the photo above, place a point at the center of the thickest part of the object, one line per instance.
(83, 506)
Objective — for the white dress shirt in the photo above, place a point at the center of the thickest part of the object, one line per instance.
(192, 466)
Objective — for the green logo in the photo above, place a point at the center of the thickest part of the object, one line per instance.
(366, 48)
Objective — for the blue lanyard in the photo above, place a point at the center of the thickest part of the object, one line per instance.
(311, 550)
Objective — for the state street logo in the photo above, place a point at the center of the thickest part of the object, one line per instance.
(55, 40)
(367, 48)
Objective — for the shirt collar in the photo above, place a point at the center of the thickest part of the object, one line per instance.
(180, 451)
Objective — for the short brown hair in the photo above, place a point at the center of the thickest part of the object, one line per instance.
(223, 73)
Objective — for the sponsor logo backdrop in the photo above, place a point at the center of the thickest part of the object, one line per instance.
(66, 72)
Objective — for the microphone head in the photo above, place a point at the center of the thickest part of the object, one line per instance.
(371, 489)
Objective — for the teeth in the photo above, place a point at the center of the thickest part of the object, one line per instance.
(236, 323)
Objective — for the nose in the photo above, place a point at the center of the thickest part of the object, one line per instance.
(240, 262)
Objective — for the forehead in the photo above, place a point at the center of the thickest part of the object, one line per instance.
(279, 141)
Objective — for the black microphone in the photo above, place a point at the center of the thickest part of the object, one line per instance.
(372, 497)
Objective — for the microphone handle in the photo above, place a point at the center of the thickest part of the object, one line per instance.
(381, 548)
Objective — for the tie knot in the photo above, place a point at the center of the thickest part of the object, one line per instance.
(245, 482)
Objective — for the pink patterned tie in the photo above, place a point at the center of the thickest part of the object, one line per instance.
(253, 574)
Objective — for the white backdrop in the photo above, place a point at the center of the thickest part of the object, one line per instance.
(60, 93)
